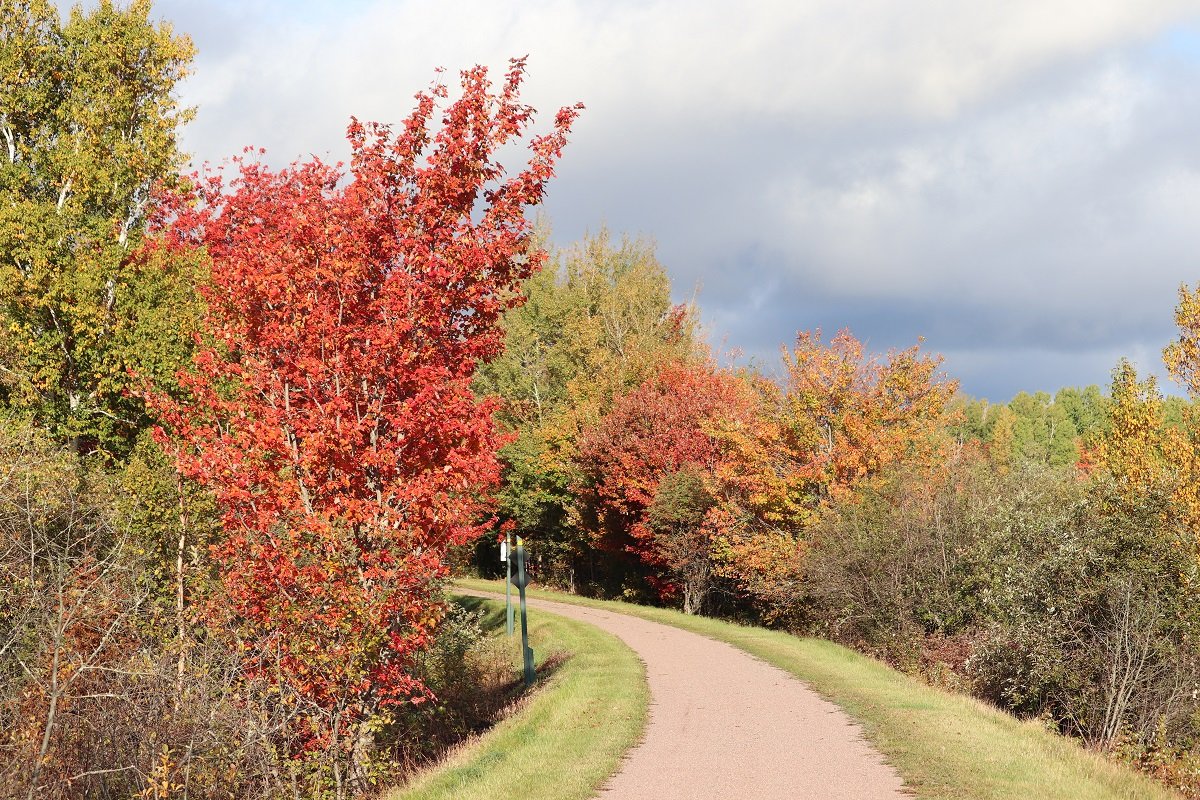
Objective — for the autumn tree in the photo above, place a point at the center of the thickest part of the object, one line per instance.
(840, 419)
(649, 471)
(88, 125)
(1182, 356)
(329, 408)
(1142, 455)
(1132, 452)
(846, 416)
(598, 321)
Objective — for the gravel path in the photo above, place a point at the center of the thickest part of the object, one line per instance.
(725, 725)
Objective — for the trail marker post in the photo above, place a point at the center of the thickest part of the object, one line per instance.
(522, 582)
(506, 557)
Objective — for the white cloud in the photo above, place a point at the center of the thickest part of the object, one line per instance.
(989, 173)
(665, 62)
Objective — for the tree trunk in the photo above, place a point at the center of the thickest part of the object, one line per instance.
(180, 620)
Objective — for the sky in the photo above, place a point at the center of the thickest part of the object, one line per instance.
(1017, 182)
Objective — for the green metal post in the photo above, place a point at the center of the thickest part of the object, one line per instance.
(508, 606)
(522, 581)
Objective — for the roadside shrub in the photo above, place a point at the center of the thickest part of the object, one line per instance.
(1098, 627)
(905, 560)
(470, 673)
(70, 650)
(103, 694)
(1049, 595)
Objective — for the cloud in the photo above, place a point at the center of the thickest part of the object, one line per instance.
(1006, 178)
(662, 64)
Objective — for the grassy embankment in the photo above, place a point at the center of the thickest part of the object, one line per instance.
(946, 746)
(565, 738)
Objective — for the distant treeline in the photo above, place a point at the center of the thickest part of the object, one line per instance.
(1043, 429)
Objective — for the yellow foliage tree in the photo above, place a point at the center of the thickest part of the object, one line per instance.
(1182, 448)
(1182, 356)
(1143, 455)
(1134, 452)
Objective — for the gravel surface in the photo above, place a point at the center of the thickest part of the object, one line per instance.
(725, 725)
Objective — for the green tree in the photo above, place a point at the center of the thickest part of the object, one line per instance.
(1038, 429)
(677, 517)
(970, 418)
(88, 126)
(1062, 436)
(1031, 434)
(1176, 411)
(1087, 407)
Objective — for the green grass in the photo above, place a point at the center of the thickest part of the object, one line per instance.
(944, 745)
(566, 738)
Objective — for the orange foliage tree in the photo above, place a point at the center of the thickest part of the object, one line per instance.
(847, 416)
(841, 418)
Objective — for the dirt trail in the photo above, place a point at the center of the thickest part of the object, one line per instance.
(725, 725)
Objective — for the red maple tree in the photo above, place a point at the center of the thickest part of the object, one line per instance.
(329, 406)
(667, 433)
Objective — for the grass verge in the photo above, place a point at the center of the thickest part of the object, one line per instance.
(566, 738)
(946, 746)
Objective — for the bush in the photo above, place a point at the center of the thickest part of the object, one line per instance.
(70, 650)
(1098, 628)
(101, 695)
(1045, 594)
(470, 672)
(907, 559)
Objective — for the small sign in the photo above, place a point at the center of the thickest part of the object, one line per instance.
(503, 551)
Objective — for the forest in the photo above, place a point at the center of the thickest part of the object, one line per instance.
(253, 421)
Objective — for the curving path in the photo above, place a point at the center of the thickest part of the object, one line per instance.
(725, 725)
